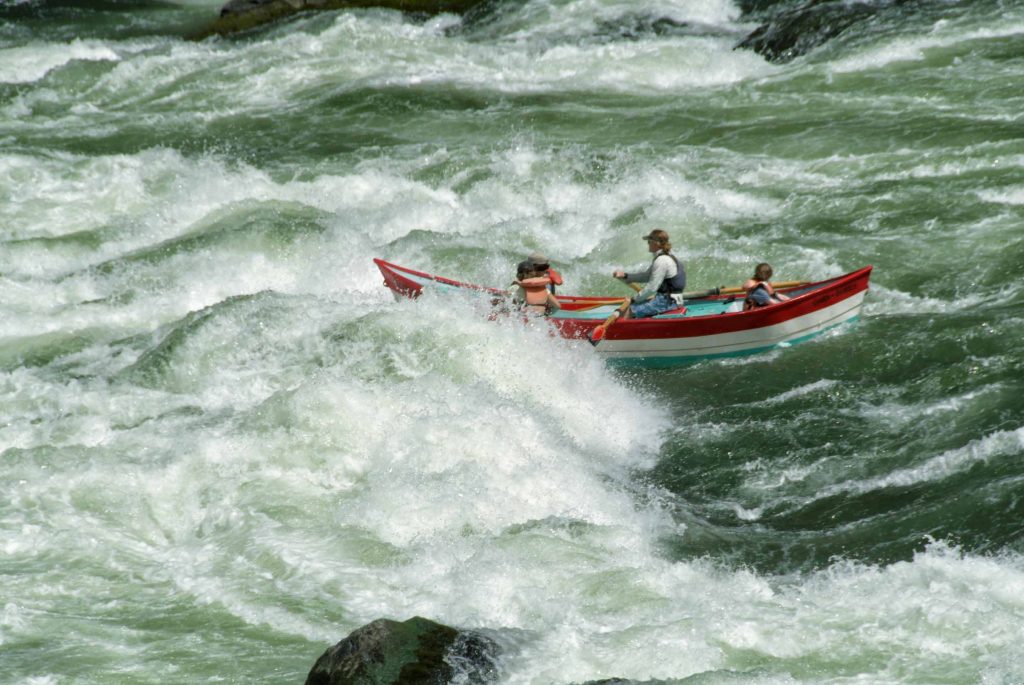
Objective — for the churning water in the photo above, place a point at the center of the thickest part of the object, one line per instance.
(224, 445)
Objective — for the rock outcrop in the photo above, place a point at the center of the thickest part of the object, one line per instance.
(797, 31)
(414, 652)
(789, 33)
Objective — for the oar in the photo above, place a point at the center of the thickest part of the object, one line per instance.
(736, 289)
(595, 305)
(694, 294)
(780, 284)
(597, 335)
(698, 294)
(605, 303)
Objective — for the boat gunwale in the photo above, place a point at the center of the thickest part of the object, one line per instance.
(775, 310)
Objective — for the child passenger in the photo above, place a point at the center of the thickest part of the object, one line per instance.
(533, 291)
(536, 280)
(759, 291)
(538, 262)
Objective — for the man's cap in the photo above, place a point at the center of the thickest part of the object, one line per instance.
(658, 235)
(537, 258)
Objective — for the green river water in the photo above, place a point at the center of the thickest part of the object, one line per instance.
(224, 445)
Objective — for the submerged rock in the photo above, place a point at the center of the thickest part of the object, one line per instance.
(240, 15)
(637, 26)
(748, 7)
(414, 652)
(794, 32)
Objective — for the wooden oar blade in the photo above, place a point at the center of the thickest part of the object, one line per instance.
(597, 335)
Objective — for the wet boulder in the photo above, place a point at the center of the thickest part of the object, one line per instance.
(413, 652)
(789, 33)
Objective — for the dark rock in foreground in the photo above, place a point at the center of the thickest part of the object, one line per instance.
(241, 15)
(414, 652)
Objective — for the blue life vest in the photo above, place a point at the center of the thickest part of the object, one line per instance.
(754, 299)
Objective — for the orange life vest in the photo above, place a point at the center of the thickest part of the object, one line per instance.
(536, 290)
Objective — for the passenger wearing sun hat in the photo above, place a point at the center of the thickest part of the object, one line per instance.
(665, 277)
(538, 261)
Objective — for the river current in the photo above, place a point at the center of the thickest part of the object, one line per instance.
(224, 445)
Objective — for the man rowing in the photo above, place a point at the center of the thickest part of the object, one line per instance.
(664, 278)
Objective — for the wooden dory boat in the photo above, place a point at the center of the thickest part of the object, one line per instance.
(707, 327)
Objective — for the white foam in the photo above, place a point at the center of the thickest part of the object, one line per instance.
(158, 195)
(438, 464)
(993, 446)
(896, 414)
(890, 301)
(476, 472)
(382, 50)
(816, 387)
(1010, 195)
(323, 456)
(641, 66)
(29, 63)
(944, 34)
(966, 163)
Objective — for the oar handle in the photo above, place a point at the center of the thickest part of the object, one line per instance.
(634, 286)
